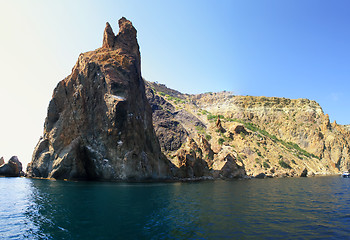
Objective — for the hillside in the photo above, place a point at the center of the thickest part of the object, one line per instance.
(263, 136)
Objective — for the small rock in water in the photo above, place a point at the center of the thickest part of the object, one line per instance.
(11, 169)
(260, 175)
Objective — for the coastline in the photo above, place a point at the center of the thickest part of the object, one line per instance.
(174, 180)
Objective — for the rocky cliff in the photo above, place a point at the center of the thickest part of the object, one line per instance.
(262, 136)
(99, 122)
(182, 136)
(105, 122)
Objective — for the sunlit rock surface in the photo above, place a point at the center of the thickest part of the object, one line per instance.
(99, 122)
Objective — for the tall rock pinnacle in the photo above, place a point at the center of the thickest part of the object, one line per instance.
(125, 40)
(108, 37)
(99, 122)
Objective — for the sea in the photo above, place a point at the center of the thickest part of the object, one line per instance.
(283, 208)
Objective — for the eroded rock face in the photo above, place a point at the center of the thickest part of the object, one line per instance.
(190, 152)
(278, 137)
(190, 161)
(294, 129)
(169, 130)
(99, 122)
(11, 169)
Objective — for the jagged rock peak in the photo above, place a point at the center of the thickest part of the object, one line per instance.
(108, 37)
(126, 28)
(125, 42)
(125, 39)
(123, 22)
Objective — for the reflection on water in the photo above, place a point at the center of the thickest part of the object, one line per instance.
(270, 208)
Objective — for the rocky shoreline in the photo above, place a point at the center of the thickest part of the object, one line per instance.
(13, 168)
(184, 180)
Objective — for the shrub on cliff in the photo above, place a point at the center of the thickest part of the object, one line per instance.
(284, 164)
(266, 165)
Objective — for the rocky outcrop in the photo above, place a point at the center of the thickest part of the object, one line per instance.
(108, 37)
(177, 129)
(190, 162)
(226, 165)
(13, 168)
(99, 122)
(303, 173)
(219, 125)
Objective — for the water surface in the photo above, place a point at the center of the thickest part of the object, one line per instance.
(292, 208)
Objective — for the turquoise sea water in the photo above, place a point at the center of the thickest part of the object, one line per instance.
(291, 208)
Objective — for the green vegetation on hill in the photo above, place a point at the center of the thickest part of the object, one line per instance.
(254, 128)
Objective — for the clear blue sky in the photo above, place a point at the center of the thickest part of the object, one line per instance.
(283, 48)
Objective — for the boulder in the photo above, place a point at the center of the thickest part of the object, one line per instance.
(260, 175)
(303, 173)
(240, 129)
(13, 168)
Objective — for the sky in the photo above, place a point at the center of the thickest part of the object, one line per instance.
(289, 48)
